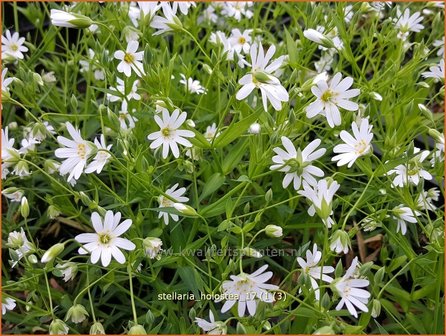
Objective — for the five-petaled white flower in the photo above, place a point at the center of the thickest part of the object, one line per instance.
(130, 59)
(261, 77)
(212, 327)
(192, 85)
(321, 197)
(12, 45)
(76, 153)
(297, 164)
(332, 96)
(165, 202)
(101, 157)
(106, 242)
(356, 145)
(169, 135)
(406, 23)
(316, 273)
(404, 215)
(239, 41)
(246, 288)
(350, 290)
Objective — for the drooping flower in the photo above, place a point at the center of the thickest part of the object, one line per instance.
(169, 22)
(261, 77)
(246, 289)
(349, 288)
(404, 215)
(321, 198)
(192, 85)
(164, 202)
(436, 72)
(316, 273)
(152, 246)
(412, 172)
(426, 198)
(14, 194)
(131, 59)
(212, 327)
(406, 23)
(69, 20)
(211, 132)
(297, 164)
(76, 153)
(356, 145)
(19, 243)
(12, 45)
(106, 241)
(329, 97)
(101, 158)
(340, 242)
(169, 135)
(68, 270)
(7, 304)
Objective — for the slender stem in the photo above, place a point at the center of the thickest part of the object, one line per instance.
(135, 316)
(89, 297)
(49, 295)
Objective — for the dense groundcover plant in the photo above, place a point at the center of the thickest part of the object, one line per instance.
(222, 168)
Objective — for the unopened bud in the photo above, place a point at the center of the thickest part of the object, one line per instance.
(185, 209)
(52, 252)
(77, 314)
(137, 330)
(24, 207)
(274, 231)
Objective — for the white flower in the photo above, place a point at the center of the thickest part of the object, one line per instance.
(130, 59)
(297, 164)
(321, 197)
(236, 9)
(85, 66)
(6, 81)
(239, 41)
(28, 144)
(152, 246)
(406, 23)
(193, 86)
(274, 231)
(436, 72)
(246, 288)
(208, 15)
(412, 172)
(425, 199)
(404, 215)
(212, 327)
(440, 45)
(165, 202)
(12, 45)
(147, 9)
(10, 155)
(101, 158)
(7, 304)
(68, 270)
(349, 289)
(211, 132)
(183, 6)
(69, 20)
(18, 241)
(167, 23)
(169, 135)
(316, 273)
(356, 145)
(330, 97)
(438, 154)
(120, 91)
(126, 120)
(340, 242)
(76, 153)
(14, 194)
(261, 77)
(106, 242)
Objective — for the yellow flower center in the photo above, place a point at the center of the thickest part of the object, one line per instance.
(360, 147)
(81, 151)
(129, 58)
(14, 47)
(327, 95)
(104, 238)
(166, 132)
(241, 40)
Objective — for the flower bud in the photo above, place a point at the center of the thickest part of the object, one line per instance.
(318, 37)
(250, 252)
(13, 193)
(438, 137)
(53, 211)
(58, 327)
(376, 96)
(137, 330)
(51, 166)
(52, 252)
(376, 308)
(77, 314)
(185, 209)
(33, 259)
(190, 123)
(152, 246)
(38, 79)
(255, 128)
(269, 195)
(340, 242)
(69, 20)
(274, 231)
(24, 207)
(97, 329)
